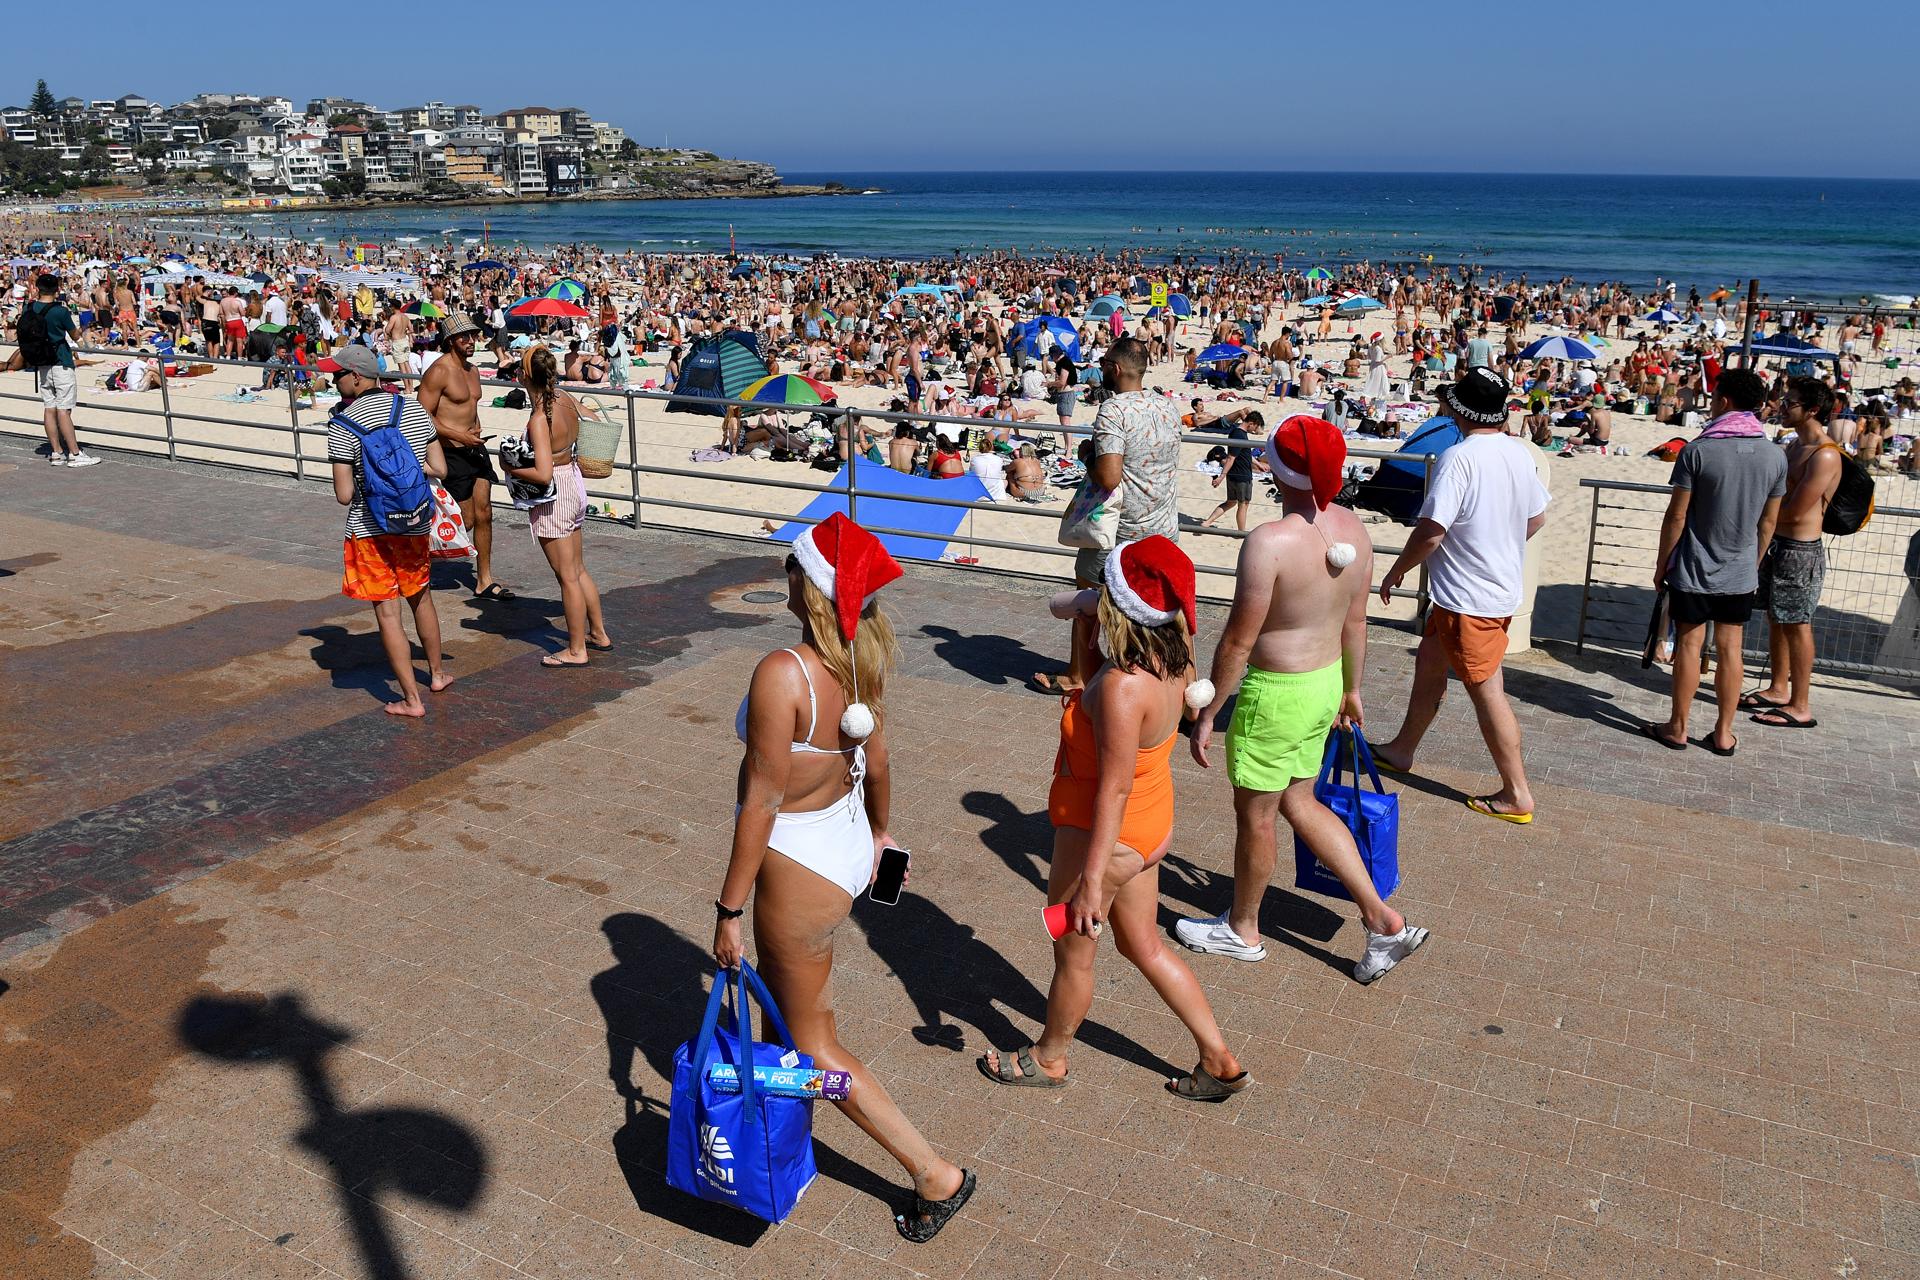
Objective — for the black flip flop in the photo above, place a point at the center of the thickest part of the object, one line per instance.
(1652, 733)
(1708, 743)
(495, 594)
(1777, 718)
(600, 648)
(1754, 702)
(922, 1222)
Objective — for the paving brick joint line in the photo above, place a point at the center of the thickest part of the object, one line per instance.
(1667, 1031)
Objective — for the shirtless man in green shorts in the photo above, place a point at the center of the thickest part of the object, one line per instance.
(1300, 616)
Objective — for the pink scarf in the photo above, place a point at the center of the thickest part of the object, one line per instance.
(1735, 424)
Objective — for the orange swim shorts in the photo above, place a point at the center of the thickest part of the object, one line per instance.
(385, 567)
(1474, 646)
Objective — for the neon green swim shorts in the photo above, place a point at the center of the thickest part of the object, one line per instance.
(1280, 724)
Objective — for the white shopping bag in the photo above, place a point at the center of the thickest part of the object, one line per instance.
(448, 539)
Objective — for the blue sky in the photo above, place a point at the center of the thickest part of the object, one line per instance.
(1615, 86)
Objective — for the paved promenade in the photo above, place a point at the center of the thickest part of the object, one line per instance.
(291, 989)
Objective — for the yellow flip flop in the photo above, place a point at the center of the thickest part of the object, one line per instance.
(1484, 804)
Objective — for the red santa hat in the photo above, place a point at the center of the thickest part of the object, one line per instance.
(1308, 453)
(1152, 582)
(848, 566)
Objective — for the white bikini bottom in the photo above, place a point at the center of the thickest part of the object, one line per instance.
(835, 843)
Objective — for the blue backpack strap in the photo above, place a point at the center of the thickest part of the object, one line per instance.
(399, 406)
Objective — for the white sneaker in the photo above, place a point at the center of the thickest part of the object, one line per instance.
(82, 459)
(1215, 937)
(57, 459)
(1385, 950)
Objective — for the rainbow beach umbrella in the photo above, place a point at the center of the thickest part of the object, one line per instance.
(424, 309)
(787, 388)
(1318, 273)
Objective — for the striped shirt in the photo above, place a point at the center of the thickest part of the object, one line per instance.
(371, 412)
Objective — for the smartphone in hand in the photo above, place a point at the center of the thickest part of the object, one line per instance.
(892, 876)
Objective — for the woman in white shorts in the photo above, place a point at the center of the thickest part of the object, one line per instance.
(556, 521)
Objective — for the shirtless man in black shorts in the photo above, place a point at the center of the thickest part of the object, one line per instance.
(450, 393)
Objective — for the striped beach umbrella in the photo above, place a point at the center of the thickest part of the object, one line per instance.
(1318, 273)
(1663, 315)
(1558, 349)
(566, 291)
(787, 388)
(424, 309)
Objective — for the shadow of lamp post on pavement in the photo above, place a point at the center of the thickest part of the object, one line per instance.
(368, 1152)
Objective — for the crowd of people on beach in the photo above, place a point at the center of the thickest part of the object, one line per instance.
(1742, 533)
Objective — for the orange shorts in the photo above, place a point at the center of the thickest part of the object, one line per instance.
(385, 567)
(1474, 646)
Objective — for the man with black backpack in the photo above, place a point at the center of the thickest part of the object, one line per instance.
(383, 447)
(1795, 566)
(46, 332)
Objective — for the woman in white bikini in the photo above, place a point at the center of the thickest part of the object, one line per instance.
(812, 819)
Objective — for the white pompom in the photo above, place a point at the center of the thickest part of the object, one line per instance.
(857, 720)
(1200, 694)
(1341, 554)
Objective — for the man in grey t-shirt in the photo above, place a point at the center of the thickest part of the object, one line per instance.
(1727, 486)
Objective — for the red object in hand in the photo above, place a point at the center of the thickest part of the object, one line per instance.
(1056, 918)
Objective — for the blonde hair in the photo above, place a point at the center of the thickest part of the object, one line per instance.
(1165, 651)
(873, 650)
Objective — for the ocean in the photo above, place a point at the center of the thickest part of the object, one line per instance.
(1819, 238)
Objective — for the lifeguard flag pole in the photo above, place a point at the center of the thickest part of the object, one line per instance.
(730, 248)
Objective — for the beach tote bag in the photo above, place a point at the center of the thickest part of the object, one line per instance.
(1092, 520)
(750, 1149)
(1372, 816)
(448, 538)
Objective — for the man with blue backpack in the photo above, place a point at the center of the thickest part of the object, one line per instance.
(383, 447)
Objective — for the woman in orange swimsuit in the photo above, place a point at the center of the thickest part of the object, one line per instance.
(1112, 811)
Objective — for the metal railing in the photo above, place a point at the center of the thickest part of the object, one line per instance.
(301, 449)
(1868, 620)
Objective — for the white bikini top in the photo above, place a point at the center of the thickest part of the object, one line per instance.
(813, 717)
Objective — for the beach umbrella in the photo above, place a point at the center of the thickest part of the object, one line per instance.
(1318, 273)
(487, 264)
(566, 291)
(1663, 315)
(789, 266)
(259, 277)
(424, 309)
(135, 258)
(786, 388)
(742, 269)
(1317, 300)
(1558, 349)
(549, 307)
(1792, 347)
(910, 290)
(1360, 302)
(1221, 351)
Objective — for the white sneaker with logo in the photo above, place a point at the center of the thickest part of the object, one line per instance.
(82, 459)
(1214, 936)
(1385, 950)
(57, 459)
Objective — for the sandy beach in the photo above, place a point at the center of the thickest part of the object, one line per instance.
(743, 488)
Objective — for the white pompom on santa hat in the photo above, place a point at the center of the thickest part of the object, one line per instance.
(848, 566)
(1152, 582)
(1309, 454)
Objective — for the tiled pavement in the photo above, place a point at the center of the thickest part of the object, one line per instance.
(296, 991)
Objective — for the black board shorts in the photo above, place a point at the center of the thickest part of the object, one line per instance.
(1691, 608)
(466, 464)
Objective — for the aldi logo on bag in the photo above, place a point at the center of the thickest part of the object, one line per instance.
(716, 1157)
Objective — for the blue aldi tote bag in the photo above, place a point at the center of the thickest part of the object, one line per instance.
(748, 1149)
(1372, 816)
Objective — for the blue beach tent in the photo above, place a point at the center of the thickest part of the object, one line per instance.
(1397, 487)
(930, 526)
(1066, 337)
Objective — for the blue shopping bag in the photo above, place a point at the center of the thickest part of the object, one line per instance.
(1372, 816)
(748, 1149)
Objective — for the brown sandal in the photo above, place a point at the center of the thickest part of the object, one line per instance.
(1019, 1070)
(1200, 1086)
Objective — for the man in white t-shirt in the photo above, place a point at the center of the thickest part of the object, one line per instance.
(1485, 502)
(274, 309)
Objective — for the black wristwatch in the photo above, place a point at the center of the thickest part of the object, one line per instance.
(726, 912)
